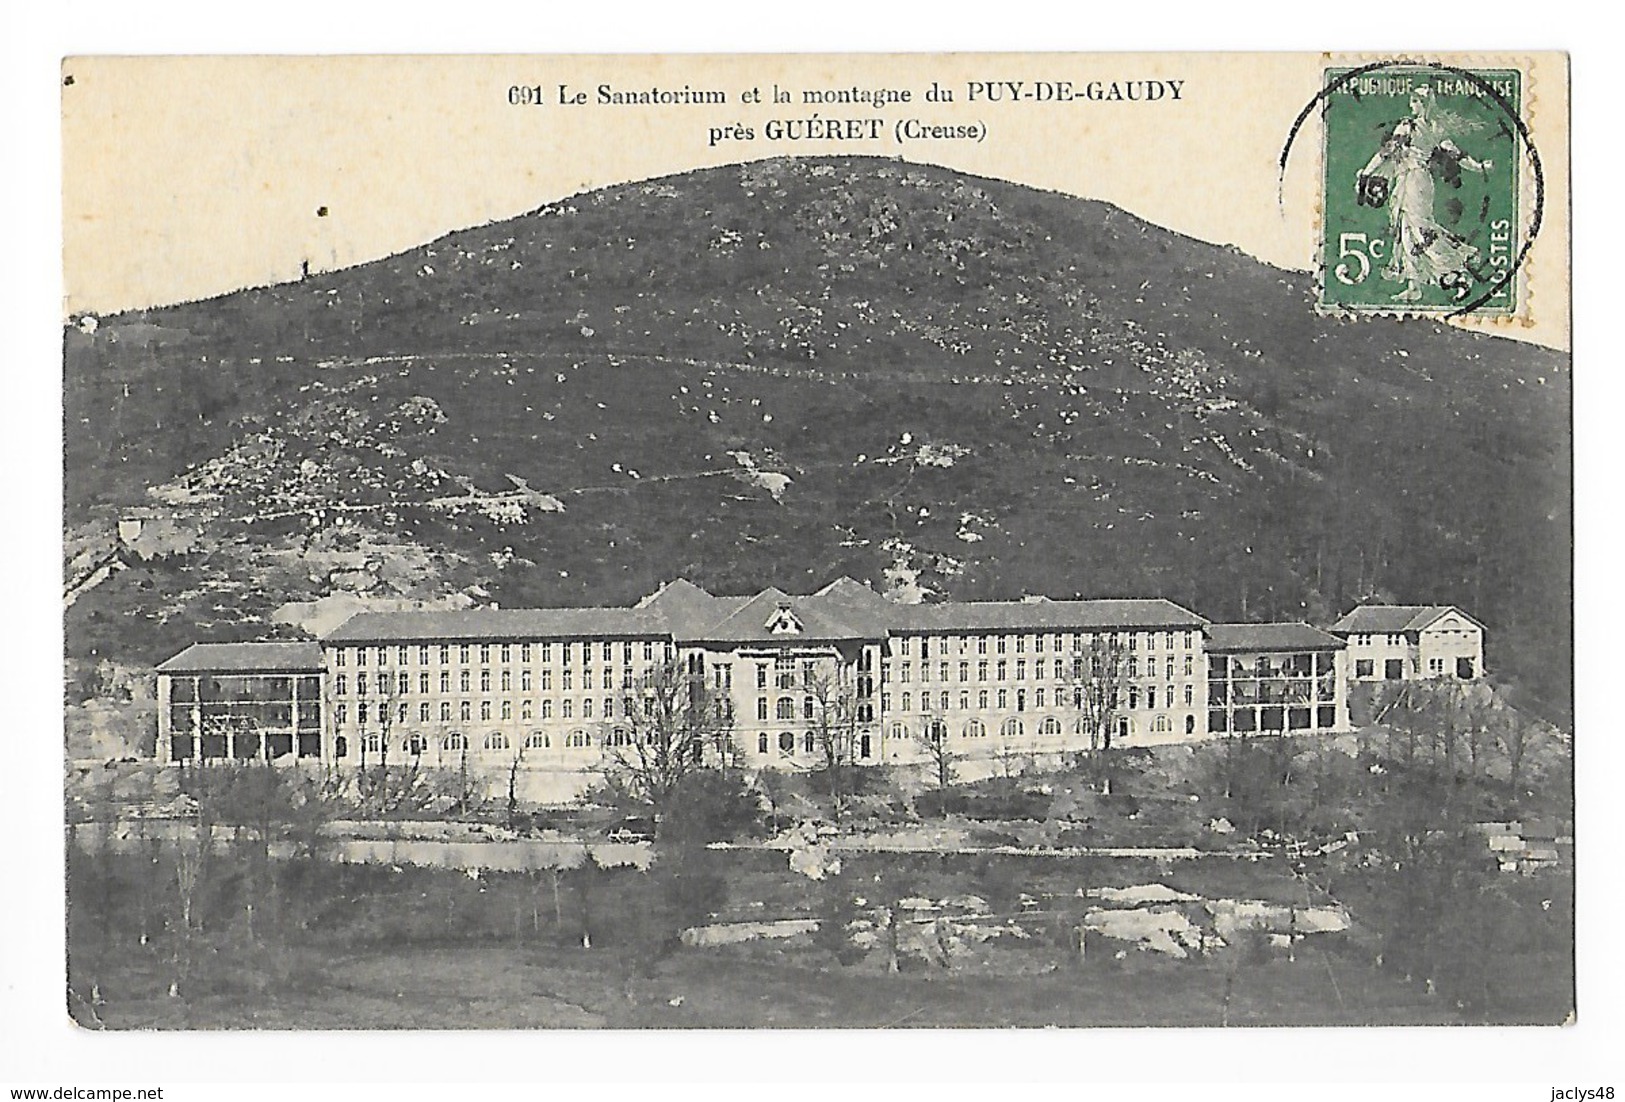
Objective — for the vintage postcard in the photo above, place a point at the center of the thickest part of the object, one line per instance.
(817, 541)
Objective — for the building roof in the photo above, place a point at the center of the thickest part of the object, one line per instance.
(1269, 637)
(499, 623)
(246, 658)
(840, 611)
(1395, 619)
(1095, 615)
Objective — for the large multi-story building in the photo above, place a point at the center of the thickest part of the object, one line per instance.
(555, 688)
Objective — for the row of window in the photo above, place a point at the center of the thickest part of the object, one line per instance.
(904, 645)
(1041, 670)
(414, 743)
(1366, 640)
(503, 709)
(401, 683)
(1049, 727)
(1137, 697)
(503, 653)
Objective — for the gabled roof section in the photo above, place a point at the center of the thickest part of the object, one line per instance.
(500, 623)
(246, 658)
(688, 610)
(821, 619)
(1095, 615)
(1222, 638)
(1396, 619)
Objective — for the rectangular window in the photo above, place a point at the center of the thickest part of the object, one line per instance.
(400, 656)
(547, 709)
(885, 702)
(547, 681)
(1004, 669)
(466, 711)
(586, 708)
(339, 685)
(964, 671)
(981, 644)
(445, 654)
(564, 681)
(905, 702)
(608, 651)
(524, 652)
(462, 653)
(1004, 698)
(445, 711)
(1038, 698)
(981, 670)
(1003, 642)
(485, 709)
(981, 699)
(485, 681)
(761, 675)
(341, 712)
(1188, 694)
(1363, 667)
(361, 656)
(463, 680)
(524, 680)
(485, 654)
(547, 652)
(904, 644)
(338, 656)
(524, 709)
(404, 684)
(423, 712)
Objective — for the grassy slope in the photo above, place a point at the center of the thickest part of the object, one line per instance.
(1143, 413)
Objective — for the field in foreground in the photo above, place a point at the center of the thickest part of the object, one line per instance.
(334, 947)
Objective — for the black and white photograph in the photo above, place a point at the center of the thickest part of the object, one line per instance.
(580, 543)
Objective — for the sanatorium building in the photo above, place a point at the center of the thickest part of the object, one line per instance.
(555, 687)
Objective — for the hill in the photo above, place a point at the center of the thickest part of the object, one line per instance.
(777, 372)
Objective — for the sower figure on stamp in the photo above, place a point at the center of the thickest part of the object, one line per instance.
(1403, 173)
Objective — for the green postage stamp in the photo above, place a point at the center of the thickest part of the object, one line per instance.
(1420, 196)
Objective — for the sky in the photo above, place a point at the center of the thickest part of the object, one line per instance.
(188, 177)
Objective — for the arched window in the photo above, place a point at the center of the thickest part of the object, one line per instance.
(936, 730)
(1051, 727)
(975, 729)
(785, 708)
(578, 739)
(374, 744)
(1125, 727)
(467, 711)
(899, 732)
(496, 740)
(619, 737)
(761, 743)
(809, 743)
(1190, 725)
(536, 740)
(1161, 725)
(1011, 729)
(787, 742)
(341, 747)
(455, 742)
(416, 744)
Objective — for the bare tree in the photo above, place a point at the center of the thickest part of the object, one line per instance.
(675, 717)
(933, 737)
(1095, 686)
(834, 728)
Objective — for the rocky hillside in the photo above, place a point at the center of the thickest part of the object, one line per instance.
(787, 370)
